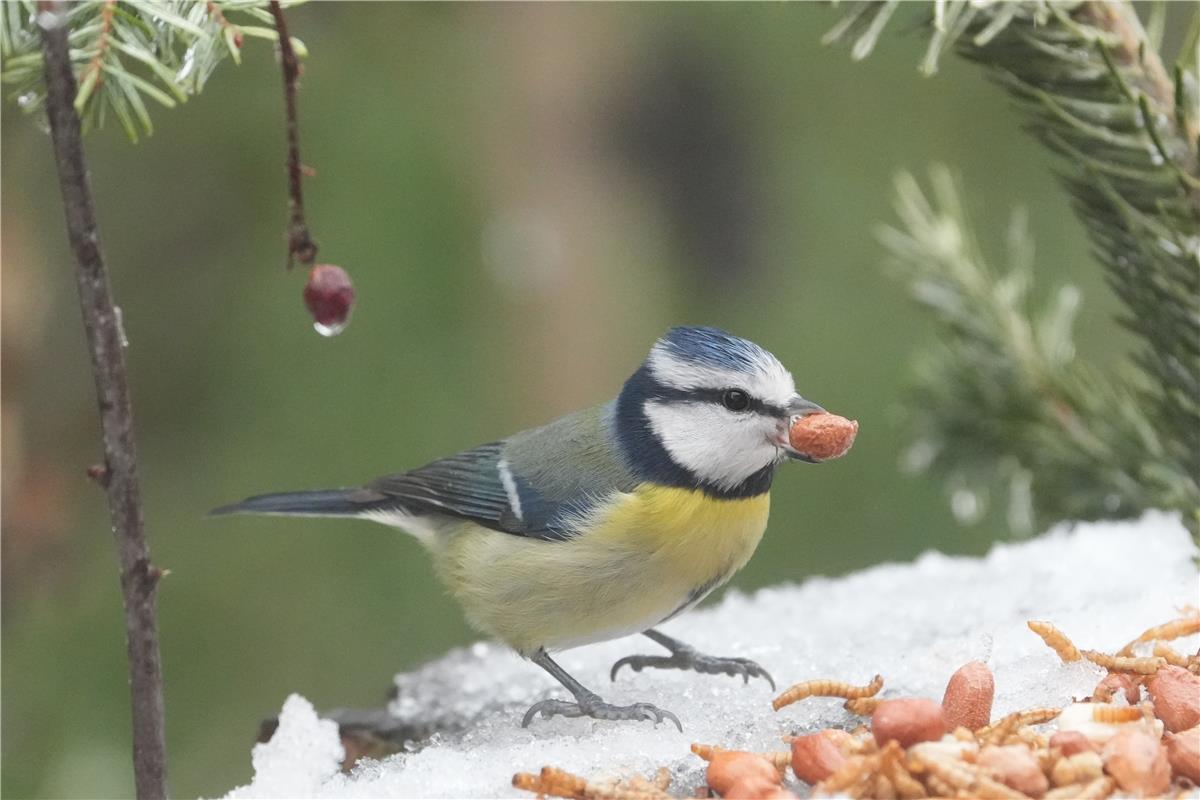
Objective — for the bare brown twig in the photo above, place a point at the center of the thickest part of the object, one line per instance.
(101, 321)
(300, 243)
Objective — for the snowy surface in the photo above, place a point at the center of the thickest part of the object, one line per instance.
(915, 623)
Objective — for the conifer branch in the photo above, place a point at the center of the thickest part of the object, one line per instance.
(119, 474)
(1003, 404)
(130, 55)
(1096, 92)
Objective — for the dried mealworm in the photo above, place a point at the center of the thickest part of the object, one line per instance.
(1184, 626)
(1170, 655)
(1142, 666)
(560, 783)
(848, 774)
(782, 759)
(827, 688)
(1079, 768)
(882, 788)
(1111, 683)
(551, 781)
(1056, 639)
(626, 793)
(1029, 737)
(779, 759)
(939, 787)
(1064, 792)
(646, 786)
(1097, 789)
(1115, 714)
(963, 776)
(1005, 726)
(862, 706)
(907, 787)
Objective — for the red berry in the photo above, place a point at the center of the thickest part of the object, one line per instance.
(329, 296)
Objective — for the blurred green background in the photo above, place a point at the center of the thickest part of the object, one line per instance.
(525, 196)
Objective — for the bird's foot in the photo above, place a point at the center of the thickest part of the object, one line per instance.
(596, 708)
(685, 657)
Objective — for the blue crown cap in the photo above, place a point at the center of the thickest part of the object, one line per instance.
(714, 347)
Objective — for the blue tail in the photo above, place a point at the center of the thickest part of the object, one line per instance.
(321, 503)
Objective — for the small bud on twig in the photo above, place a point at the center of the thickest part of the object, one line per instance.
(99, 473)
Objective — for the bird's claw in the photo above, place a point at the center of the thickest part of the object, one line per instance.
(598, 709)
(688, 658)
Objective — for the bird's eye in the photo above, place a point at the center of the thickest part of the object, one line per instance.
(735, 400)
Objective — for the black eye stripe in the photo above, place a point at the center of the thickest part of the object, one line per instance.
(758, 406)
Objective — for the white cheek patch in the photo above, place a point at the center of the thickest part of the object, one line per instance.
(768, 381)
(717, 446)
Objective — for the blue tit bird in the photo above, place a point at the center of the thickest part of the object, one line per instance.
(606, 522)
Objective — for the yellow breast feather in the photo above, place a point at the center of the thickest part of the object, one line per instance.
(695, 535)
(637, 560)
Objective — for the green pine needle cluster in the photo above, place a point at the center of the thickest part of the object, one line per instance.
(131, 54)
(1003, 401)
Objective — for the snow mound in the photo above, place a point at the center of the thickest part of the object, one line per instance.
(915, 623)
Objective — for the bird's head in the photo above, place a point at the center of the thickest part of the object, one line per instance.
(709, 409)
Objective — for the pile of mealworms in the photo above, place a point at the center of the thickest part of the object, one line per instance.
(1137, 734)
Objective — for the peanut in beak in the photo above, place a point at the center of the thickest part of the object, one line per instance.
(821, 436)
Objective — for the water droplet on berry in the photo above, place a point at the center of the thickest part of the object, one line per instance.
(329, 330)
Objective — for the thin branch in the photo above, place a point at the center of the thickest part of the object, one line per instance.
(101, 321)
(300, 243)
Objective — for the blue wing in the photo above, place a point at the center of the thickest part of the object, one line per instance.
(539, 483)
(467, 485)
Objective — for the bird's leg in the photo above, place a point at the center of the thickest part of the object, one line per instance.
(587, 703)
(686, 657)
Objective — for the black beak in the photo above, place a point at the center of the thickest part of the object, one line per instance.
(799, 407)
